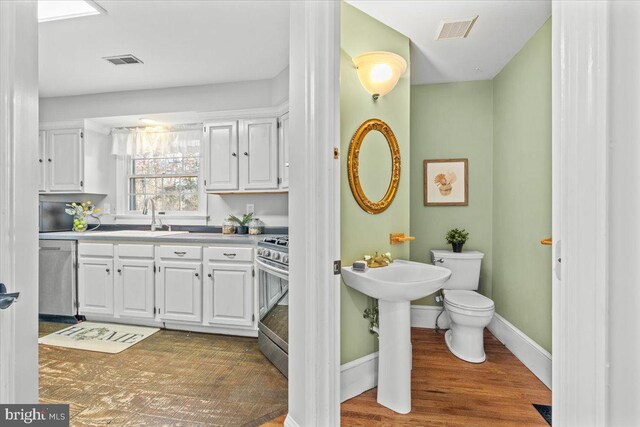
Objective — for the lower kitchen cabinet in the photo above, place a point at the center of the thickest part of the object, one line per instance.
(179, 288)
(228, 295)
(135, 288)
(95, 290)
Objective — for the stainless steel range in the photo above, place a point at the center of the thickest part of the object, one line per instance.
(272, 263)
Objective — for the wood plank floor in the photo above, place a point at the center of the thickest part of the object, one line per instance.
(449, 392)
(172, 378)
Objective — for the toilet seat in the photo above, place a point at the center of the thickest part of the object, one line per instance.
(468, 300)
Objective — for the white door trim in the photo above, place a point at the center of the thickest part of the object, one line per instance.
(580, 197)
(314, 215)
(19, 199)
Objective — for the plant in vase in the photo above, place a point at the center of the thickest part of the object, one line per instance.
(457, 238)
(242, 227)
(80, 211)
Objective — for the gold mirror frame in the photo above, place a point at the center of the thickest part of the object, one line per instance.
(353, 163)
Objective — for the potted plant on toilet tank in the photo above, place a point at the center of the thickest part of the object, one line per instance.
(457, 238)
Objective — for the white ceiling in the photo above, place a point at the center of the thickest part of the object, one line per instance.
(501, 30)
(182, 43)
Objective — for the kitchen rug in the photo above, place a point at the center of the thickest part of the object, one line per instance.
(100, 337)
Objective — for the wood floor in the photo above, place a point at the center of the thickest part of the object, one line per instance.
(170, 379)
(449, 392)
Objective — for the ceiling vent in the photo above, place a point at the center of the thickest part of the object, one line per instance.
(455, 29)
(123, 60)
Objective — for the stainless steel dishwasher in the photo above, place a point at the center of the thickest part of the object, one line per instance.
(58, 279)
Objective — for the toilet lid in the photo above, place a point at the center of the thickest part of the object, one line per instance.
(469, 300)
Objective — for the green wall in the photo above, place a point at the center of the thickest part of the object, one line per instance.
(503, 127)
(522, 189)
(453, 120)
(362, 233)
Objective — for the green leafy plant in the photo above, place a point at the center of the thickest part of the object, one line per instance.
(246, 218)
(457, 236)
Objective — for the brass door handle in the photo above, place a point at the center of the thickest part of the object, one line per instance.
(546, 241)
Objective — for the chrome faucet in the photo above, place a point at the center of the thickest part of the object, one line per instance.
(145, 211)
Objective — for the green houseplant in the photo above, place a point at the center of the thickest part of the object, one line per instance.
(242, 227)
(457, 238)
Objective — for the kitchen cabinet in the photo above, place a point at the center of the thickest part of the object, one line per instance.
(228, 294)
(179, 287)
(135, 281)
(75, 161)
(95, 290)
(283, 150)
(259, 154)
(221, 156)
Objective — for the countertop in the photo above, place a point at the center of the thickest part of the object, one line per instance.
(197, 238)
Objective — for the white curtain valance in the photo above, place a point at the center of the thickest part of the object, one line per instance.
(156, 141)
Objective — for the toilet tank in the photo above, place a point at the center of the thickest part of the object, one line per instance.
(464, 266)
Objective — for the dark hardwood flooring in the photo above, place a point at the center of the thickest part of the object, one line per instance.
(172, 378)
(449, 392)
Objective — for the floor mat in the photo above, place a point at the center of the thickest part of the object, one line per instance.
(545, 411)
(100, 337)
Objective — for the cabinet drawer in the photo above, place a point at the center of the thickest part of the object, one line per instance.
(95, 249)
(192, 253)
(136, 251)
(228, 254)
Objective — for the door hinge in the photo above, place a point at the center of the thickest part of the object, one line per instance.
(253, 317)
(337, 266)
(279, 180)
(205, 182)
(154, 268)
(81, 183)
(279, 124)
(253, 272)
(155, 310)
(336, 153)
(204, 129)
(81, 134)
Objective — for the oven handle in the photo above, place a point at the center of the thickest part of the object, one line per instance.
(271, 269)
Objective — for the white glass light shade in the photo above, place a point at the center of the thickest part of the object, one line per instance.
(379, 72)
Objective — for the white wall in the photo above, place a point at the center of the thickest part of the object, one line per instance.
(624, 214)
(272, 209)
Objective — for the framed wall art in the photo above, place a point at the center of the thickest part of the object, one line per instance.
(446, 182)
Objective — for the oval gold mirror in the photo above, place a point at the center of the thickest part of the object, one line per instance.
(373, 166)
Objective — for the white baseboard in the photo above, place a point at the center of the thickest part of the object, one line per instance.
(358, 376)
(534, 357)
(290, 422)
(424, 316)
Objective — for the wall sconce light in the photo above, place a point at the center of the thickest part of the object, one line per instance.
(379, 72)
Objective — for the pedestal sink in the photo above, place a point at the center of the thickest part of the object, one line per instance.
(395, 286)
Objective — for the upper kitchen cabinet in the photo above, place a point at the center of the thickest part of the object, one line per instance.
(259, 159)
(283, 150)
(74, 161)
(221, 154)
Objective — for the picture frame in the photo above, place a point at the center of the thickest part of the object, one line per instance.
(446, 182)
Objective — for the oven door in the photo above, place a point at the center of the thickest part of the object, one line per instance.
(273, 328)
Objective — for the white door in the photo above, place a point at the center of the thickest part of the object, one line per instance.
(221, 156)
(95, 286)
(42, 163)
(259, 154)
(64, 159)
(19, 200)
(135, 288)
(228, 295)
(180, 291)
(283, 150)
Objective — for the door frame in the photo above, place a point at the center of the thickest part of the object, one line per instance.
(19, 199)
(580, 79)
(314, 214)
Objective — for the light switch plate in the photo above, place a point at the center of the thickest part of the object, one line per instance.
(250, 208)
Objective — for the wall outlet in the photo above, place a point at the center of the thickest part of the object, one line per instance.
(250, 208)
(106, 208)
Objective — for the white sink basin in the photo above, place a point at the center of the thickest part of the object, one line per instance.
(140, 233)
(400, 281)
(395, 286)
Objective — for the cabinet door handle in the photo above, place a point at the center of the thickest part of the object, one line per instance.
(246, 154)
(234, 154)
(229, 255)
(49, 160)
(40, 160)
(179, 253)
(209, 275)
(119, 271)
(197, 275)
(108, 270)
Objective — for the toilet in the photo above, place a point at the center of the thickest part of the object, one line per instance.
(469, 312)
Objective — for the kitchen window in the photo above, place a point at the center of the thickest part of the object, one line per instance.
(163, 165)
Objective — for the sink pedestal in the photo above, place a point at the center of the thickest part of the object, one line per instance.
(394, 364)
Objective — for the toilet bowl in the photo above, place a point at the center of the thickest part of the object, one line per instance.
(469, 313)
